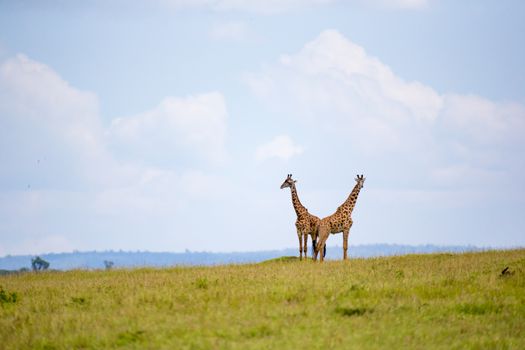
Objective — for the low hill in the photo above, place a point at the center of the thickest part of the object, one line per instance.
(95, 260)
(469, 300)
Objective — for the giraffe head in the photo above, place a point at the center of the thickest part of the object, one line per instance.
(360, 181)
(289, 182)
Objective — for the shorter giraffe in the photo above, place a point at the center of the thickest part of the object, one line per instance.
(340, 221)
(306, 223)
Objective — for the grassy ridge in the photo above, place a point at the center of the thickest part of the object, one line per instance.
(414, 301)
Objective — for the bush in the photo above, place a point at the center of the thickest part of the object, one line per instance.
(6, 297)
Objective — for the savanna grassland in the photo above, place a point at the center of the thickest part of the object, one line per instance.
(416, 301)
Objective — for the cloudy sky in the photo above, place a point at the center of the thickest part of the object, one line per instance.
(169, 125)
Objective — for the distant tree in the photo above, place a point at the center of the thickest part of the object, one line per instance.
(108, 264)
(39, 264)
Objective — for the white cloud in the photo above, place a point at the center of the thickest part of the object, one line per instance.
(268, 6)
(229, 31)
(281, 147)
(483, 120)
(48, 122)
(265, 7)
(334, 61)
(51, 135)
(57, 132)
(194, 123)
(281, 6)
(51, 97)
(64, 177)
(255, 6)
(402, 4)
(334, 86)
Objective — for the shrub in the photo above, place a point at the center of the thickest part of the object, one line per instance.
(202, 283)
(7, 297)
(351, 311)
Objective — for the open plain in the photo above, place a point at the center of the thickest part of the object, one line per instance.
(414, 301)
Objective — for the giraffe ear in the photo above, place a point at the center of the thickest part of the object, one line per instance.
(294, 181)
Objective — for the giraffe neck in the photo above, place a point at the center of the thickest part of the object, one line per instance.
(349, 204)
(299, 208)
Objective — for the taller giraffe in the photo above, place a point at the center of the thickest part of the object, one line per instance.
(340, 221)
(306, 223)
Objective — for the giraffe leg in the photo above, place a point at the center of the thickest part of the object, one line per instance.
(345, 240)
(316, 248)
(300, 236)
(305, 245)
(321, 246)
(345, 243)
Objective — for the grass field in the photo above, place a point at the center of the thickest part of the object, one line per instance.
(443, 301)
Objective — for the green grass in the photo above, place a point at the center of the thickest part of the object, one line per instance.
(283, 259)
(446, 301)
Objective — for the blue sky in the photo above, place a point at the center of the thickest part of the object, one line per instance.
(170, 125)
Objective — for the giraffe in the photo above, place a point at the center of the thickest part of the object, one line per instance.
(306, 223)
(340, 221)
